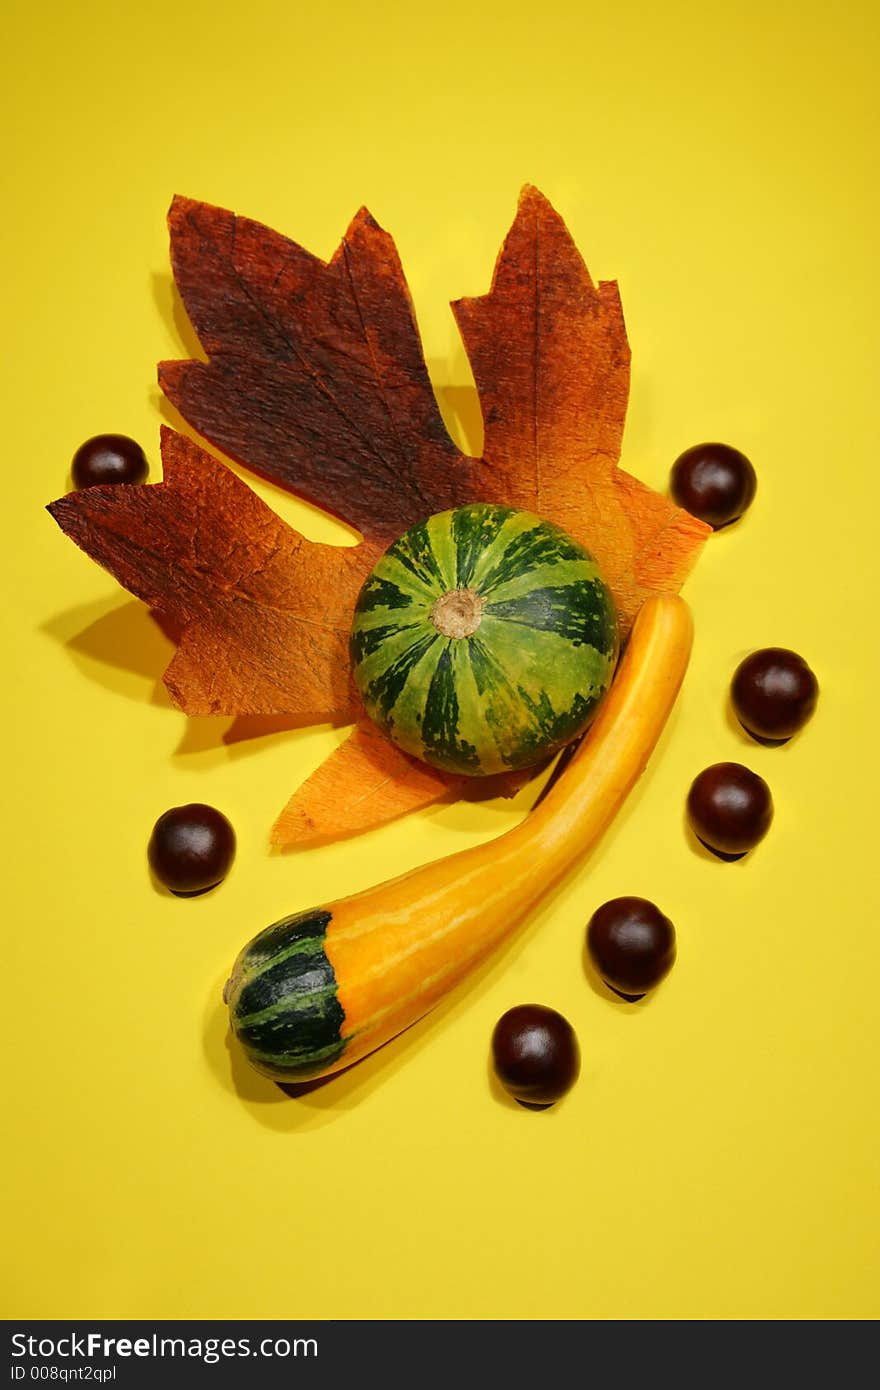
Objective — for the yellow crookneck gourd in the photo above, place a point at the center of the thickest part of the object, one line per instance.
(321, 989)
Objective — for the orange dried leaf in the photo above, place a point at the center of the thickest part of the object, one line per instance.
(366, 782)
(550, 358)
(264, 614)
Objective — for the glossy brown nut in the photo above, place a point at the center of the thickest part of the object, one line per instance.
(191, 848)
(730, 808)
(714, 482)
(108, 458)
(631, 944)
(535, 1053)
(774, 693)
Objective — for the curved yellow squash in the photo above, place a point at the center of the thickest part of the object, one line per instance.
(319, 990)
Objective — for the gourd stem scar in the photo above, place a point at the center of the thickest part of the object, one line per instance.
(458, 613)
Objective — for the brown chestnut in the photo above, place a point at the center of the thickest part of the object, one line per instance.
(730, 808)
(535, 1054)
(774, 693)
(632, 945)
(108, 458)
(191, 848)
(714, 482)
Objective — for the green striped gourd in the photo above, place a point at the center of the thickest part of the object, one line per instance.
(483, 640)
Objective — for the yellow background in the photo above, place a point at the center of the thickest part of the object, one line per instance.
(718, 1158)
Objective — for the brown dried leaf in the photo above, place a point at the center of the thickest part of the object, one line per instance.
(264, 614)
(315, 377)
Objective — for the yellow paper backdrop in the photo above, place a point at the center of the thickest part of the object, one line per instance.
(718, 1158)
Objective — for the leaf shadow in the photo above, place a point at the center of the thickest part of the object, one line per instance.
(462, 414)
(240, 734)
(172, 311)
(122, 646)
(125, 647)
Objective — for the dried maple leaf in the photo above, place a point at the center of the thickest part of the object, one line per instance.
(263, 614)
(315, 379)
(550, 358)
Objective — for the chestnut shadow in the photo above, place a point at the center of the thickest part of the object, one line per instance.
(702, 850)
(502, 1097)
(745, 737)
(625, 1003)
(739, 523)
(159, 888)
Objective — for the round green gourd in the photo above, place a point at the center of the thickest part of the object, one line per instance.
(483, 640)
